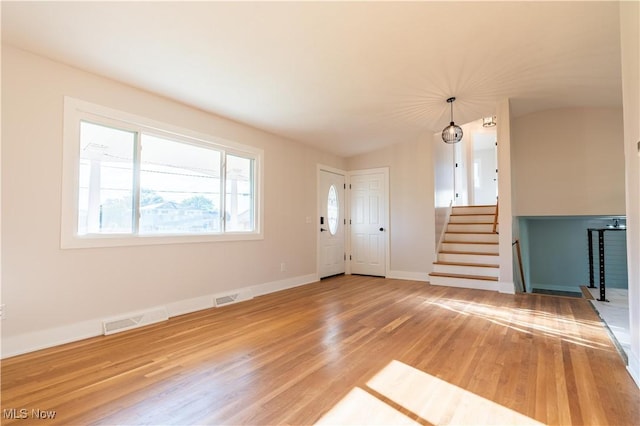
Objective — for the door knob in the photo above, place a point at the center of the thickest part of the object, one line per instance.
(381, 229)
(322, 229)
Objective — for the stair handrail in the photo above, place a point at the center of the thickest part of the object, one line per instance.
(517, 244)
(495, 219)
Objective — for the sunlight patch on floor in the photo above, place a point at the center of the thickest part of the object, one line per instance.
(439, 402)
(359, 407)
(529, 321)
(428, 399)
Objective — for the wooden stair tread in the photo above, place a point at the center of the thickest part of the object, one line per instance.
(472, 232)
(468, 252)
(469, 242)
(470, 223)
(472, 214)
(480, 265)
(471, 277)
(478, 205)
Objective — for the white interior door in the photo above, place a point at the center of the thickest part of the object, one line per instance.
(331, 224)
(369, 224)
(459, 174)
(485, 169)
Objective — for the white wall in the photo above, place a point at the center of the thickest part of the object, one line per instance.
(505, 194)
(443, 184)
(630, 50)
(411, 230)
(55, 295)
(568, 162)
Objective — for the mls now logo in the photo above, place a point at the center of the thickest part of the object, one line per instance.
(23, 413)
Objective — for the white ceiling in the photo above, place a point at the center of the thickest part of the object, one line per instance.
(347, 77)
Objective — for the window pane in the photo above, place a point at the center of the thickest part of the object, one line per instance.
(332, 210)
(239, 194)
(179, 188)
(106, 180)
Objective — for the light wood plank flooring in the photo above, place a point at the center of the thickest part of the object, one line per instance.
(349, 349)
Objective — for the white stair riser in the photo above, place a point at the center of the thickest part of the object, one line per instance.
(476, 248)
(481, 271)
(468, 258)
(471, 219)
(470, 227)
(474, 238)
(464, 283)
(474, 210)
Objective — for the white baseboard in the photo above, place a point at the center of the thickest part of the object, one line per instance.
(634, 367)
(273, 286)
(507, 287)
(406, 275)
(42, 339)
(187, 306)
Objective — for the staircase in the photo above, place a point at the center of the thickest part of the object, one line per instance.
(468, 255)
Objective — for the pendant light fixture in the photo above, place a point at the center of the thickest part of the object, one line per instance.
(452, 133)
(489, 121)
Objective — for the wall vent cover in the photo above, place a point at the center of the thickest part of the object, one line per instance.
(228, 299)
(115, 325)
(225, 300)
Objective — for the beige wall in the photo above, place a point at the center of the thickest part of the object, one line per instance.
(630, 50)
(411, 230)
(568, 162)
(46, 288)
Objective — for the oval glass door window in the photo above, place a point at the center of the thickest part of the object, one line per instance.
(332, 210)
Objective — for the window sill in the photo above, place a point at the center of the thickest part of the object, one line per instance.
(96, 241)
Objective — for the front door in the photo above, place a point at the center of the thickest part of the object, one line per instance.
(331, 224)
(369, 223)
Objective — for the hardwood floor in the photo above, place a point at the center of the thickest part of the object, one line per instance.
(346, 350)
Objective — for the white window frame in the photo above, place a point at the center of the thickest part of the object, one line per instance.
(76, 110)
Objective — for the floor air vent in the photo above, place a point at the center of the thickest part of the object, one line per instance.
(115, 325)
(228, 299)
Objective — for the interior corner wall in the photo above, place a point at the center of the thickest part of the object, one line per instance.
(47, 289)
(630, 55)
(505, 193)
(568, 162)
(411, 230)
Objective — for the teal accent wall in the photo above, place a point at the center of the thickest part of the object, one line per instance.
(555, 252)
